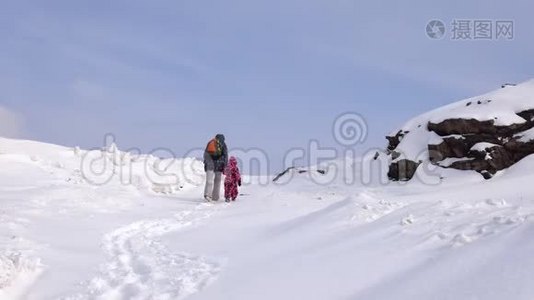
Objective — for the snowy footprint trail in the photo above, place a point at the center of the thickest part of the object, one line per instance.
(139, 266)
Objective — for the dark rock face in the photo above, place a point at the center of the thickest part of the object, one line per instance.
(459, 136)
(395, 140)
(402, 170)
(450, 147)
(527, 115)
(462, 126)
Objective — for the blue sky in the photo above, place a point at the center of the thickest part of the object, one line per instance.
(268, 74)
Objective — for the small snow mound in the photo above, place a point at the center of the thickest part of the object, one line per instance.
(503, 220)
(164, 188)
(16, 267)
(461, 239)
(496, 202)
(408, 220)
(112, 148)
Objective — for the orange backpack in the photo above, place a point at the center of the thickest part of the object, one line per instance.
(214, 148)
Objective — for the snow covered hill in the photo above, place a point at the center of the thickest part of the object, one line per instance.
(487, 134)
(71, 234)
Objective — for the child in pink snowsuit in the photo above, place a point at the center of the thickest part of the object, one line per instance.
(232, 180)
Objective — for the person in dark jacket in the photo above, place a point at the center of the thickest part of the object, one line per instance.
(215, 161)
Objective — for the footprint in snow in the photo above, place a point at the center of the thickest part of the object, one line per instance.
(139, 266)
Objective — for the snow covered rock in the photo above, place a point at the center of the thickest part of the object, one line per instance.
(295, 170)
(486, 134)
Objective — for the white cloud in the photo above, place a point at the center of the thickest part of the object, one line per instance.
(11, 123)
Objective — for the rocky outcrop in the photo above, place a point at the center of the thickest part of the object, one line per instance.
(486, 134)
(503, 147)
(462, 126)
(402, 170)
(467, 144)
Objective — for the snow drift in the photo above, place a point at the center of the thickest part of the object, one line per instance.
(67, 235)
